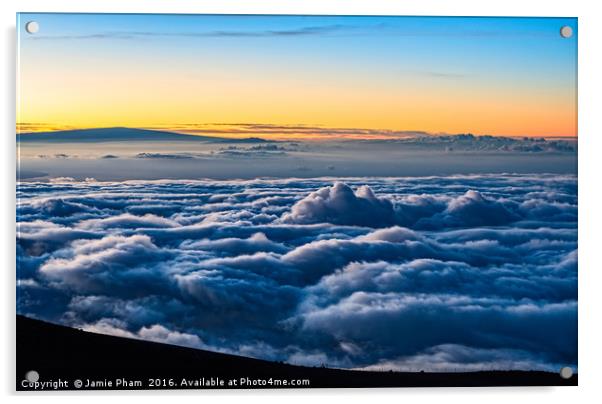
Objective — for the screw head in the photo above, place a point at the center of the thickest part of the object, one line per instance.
(32, 376)
(32, 27)
(566, 372)
(566, 32)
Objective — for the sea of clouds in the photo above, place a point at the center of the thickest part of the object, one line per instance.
(432, 273)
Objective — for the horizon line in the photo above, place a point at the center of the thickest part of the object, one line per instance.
(239, 130)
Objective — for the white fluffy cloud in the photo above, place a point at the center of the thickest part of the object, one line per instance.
(156, 333)
(436, 273)
(111, 262)
(339, 204)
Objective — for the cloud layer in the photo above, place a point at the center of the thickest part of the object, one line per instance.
(432, 273)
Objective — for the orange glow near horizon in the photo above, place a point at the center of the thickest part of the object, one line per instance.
(129, 100)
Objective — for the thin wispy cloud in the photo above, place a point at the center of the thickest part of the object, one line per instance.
(25, 127)
(293, 131)
(303, 31)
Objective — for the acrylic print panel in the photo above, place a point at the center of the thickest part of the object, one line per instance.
(211, 201)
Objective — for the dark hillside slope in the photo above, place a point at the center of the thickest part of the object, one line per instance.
(56, 351)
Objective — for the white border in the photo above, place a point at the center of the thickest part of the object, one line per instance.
(590, 169)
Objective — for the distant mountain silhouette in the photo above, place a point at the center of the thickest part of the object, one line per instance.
(124, 135)
(58, 352)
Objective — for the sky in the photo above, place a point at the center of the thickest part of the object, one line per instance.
(496, 76)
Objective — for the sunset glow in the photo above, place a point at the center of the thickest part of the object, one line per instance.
(421, 74)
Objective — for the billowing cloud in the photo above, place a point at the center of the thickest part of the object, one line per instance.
(472, 209)
(111, 262)
(156, 333)
(433, 273)
(255, 243)
(127, 220)
(394, 324)
(461, 358)
(339, 204)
